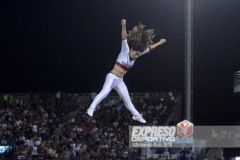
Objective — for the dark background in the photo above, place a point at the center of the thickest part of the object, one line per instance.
(72, 45)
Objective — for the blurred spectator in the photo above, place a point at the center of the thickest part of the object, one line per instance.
(31, 99)
(5, 99)
(58, 97)
(146, 97)
(93, 95)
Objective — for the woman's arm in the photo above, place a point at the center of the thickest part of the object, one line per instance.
(124, 31)
(162, 41)
(151, 47)
(125, 48)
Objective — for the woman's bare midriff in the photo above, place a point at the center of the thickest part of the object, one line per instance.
(118, 71)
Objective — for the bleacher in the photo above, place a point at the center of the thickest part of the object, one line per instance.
(68, 113)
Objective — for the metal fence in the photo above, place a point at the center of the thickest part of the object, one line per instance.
(47, 157)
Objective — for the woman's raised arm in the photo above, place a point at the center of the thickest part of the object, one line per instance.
(124, 30)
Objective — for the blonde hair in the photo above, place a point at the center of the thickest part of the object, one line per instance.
(139, 39)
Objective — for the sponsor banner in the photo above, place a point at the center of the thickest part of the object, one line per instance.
(184, 134)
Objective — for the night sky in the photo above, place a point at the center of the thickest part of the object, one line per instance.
(72, 45)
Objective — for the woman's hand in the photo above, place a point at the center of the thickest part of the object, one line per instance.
(162, 41)
(123, 22)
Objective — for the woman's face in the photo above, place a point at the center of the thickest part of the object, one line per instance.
(134, 54)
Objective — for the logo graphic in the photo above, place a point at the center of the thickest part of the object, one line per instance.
(185, 129)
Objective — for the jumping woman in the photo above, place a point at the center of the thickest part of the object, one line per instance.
(134, 44)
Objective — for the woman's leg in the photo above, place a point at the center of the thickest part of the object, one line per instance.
(122, 90)
(107, 87)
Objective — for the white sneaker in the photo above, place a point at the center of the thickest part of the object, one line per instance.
(90, 112)
(139, 118)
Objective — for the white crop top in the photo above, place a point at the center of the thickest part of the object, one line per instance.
(124, 60)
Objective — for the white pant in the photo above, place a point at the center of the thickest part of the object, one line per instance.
(113, 81)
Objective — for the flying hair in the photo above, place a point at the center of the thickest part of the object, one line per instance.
(139, 39)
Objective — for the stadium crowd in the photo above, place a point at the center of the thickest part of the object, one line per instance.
(41, 130)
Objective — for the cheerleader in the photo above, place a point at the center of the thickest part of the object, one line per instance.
(134, 44)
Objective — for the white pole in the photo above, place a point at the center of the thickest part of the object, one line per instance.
(188, 60)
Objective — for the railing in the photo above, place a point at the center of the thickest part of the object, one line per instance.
(85, 97)
(48, 157)
(203, 152)
(86, 94)
(25, 96)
